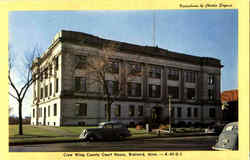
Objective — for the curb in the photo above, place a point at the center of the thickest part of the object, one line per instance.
(134, 138)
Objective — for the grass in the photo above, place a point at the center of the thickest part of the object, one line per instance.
(67, 133)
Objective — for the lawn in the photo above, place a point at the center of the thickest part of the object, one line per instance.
(68, 133)
(49, 133)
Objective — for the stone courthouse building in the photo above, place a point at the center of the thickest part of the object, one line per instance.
(61, 96)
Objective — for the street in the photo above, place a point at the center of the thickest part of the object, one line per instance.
(154, 144)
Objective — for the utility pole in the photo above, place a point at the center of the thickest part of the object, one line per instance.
(169, 110)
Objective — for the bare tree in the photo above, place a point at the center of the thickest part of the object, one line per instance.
(101, 65)
(103, 70)
(21, 78)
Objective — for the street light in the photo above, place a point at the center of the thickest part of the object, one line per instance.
(169, 110)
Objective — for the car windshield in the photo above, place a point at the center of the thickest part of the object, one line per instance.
(100, 126)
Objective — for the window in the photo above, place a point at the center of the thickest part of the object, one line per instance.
(134, 89)
(212, 112)
(118, 110)
(56, 63)
(48, 111)
(134, 68)
(179, 111)
(173, 74)
(57, 85)
(33, 113)
(154, 91)
(174, 92)
(210, 79)
(50, 70)
(55, 109)
(112, 87)
(46, 73)
(41, 93)
(44, 112)
(190, 76)
(80, 84)
(50, 89)
(81, 61)
(39, 112)
(189, 112)
(190, 93)
(114, 67)
(195, 112)
(172, 112)
(211, 94)
(81, 109)
(140, 110)
(46, 91)
(155, 71)
(131, 110)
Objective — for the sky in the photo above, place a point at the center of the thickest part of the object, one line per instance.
(205, 33)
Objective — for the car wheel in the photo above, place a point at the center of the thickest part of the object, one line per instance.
(91, 138)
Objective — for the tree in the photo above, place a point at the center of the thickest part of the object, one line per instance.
(98, 67)
(20, 78)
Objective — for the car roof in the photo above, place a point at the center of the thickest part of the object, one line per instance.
(232, 124)
(110, 122)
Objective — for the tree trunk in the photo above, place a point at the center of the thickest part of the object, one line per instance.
(109, 111)
(20, 118)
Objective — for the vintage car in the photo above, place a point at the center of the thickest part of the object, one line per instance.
(228, 139)
(105, 130)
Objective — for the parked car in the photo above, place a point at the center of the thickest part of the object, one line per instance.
(228, 139)
(105, 130)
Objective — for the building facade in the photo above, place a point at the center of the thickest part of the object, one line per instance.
(62, 95)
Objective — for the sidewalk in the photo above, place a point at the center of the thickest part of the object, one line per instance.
(70, 138)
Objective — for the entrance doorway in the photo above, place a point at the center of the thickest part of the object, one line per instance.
(156, 114)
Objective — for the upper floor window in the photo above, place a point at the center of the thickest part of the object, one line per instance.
(46, 91)
(134, 68)
(46, 73)
(41, 93)
(50, 88)
(154, 91)
(190, 93)
(211, 95)
(173, 74)
(134, 89)
(114, 67)
(190, 76)
(211, 79)
(112, 87)
(56, 62)
(81, 61)
(57, 84)
(155, 71)
(50, 70)
(80, 84)
(174, 92)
